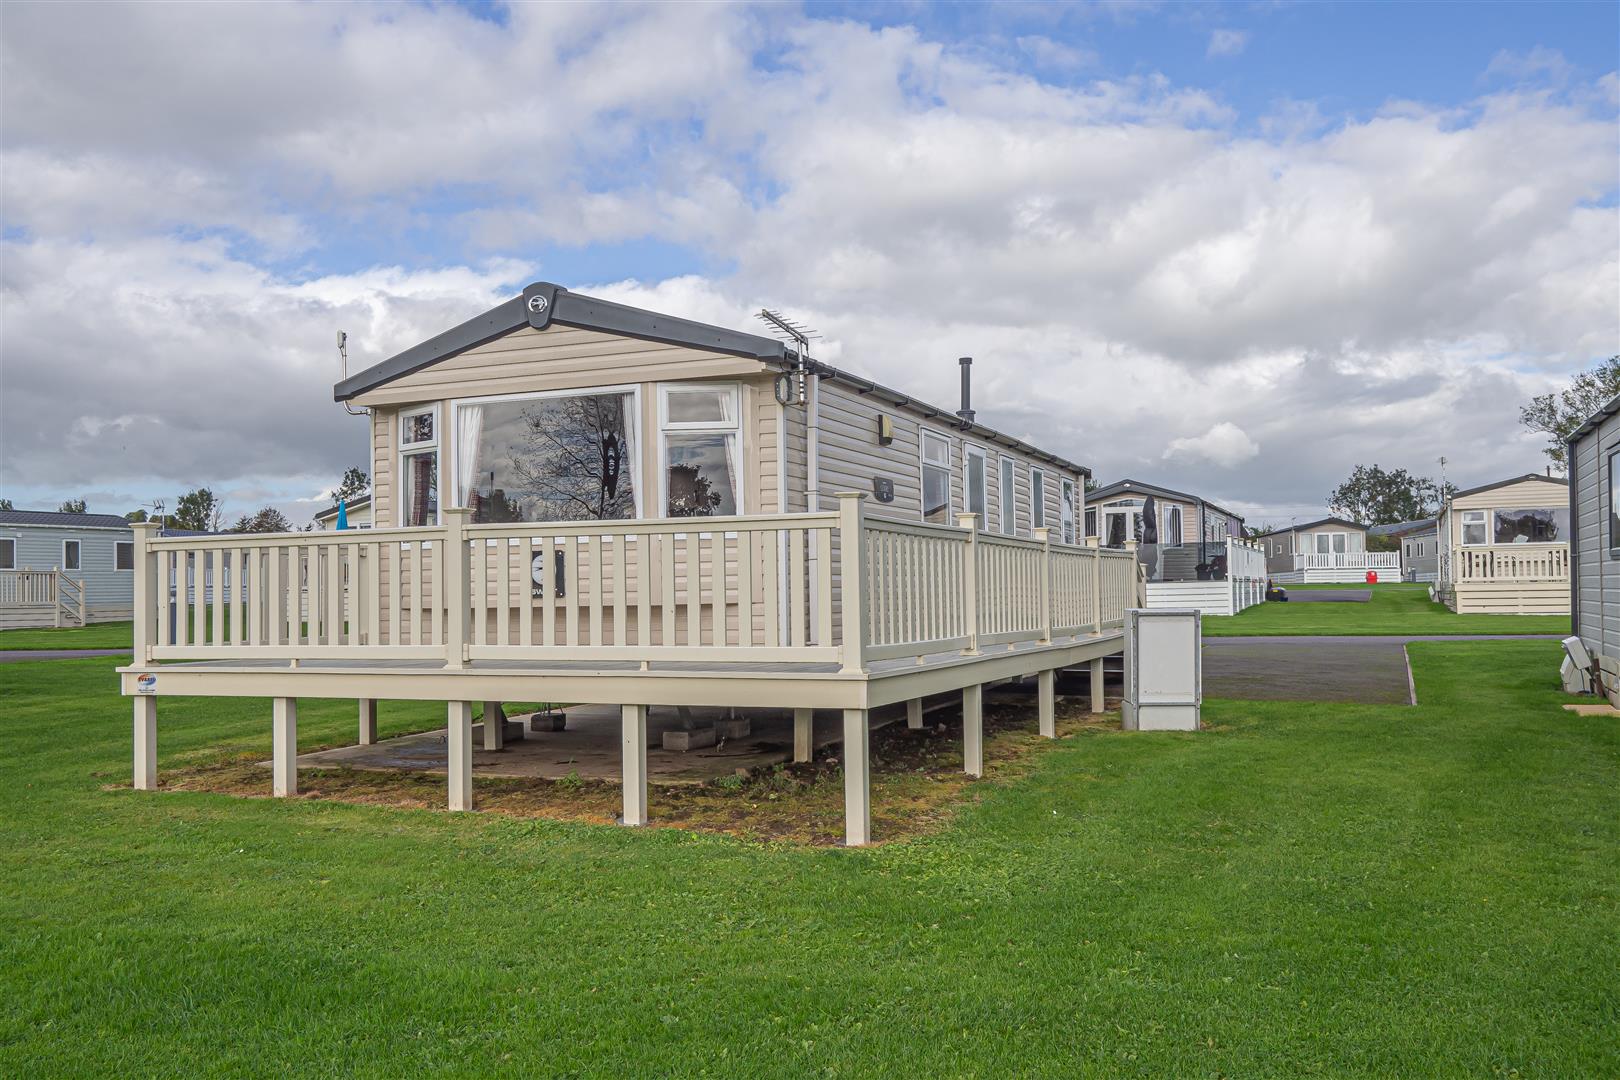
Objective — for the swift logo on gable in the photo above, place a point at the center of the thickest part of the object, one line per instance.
(538, 303)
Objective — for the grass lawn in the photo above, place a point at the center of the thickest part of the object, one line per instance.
(1303, 890)
(1392, 609)
(112, 635)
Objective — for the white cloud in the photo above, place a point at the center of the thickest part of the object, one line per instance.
(1225, 444)
(1227, 42)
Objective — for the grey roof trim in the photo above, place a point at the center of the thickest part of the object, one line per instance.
(1119, 487)
(1314, 524)
(1509, 480)
(331, 511)
(542, 304)
(895, 397)
(1597, 418)
(1405, 528)
(55, 519)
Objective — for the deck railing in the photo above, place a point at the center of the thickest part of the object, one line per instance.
(1513, 562)
(737, 589)
(1348, 560)
(53, 591)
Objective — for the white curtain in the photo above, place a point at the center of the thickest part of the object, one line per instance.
(631, 466)
(469, 433)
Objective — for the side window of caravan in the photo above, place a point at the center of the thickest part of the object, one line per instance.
(936, 478)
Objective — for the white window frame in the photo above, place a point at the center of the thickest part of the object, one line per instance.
(1007, 492)
(1165, 535)
(1067, 509)
(1091, 519)
(13, 564)
(1037, 498)
(1484, 521)
(78, 556)
(130, 569)
(408, 450)
(923, 465)
(703, 427)
(971, 453)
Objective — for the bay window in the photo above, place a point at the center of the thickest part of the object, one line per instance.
(701, 429)
(977, 479)
(419, 467)
(548, 457)
(936, 478)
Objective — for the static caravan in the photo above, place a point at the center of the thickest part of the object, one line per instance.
(577, 500)
(1594, 518)
(357, 511)
(1504, 547)
(1198, 557)
(1418, 544)
(1327, 550)
(64, 569)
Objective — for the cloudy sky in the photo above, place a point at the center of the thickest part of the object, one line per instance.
(1234, 249)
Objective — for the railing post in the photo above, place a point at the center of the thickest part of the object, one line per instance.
(1044, 536)
(1095, 544)
(852, 578)
(457, 585)
(1138, 586)
(144, 605)
(970, 581)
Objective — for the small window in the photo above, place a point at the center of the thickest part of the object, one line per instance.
(1091, 521)
(1473, 528)
(976, 468)
(702, 433)
(70, 554)
(1066, 510)
(8, 553)
(936, 478)
(1008, 496)
(1037, 498)
(1614, 503)
(419, 468)
(124, 555)
(1171, 534)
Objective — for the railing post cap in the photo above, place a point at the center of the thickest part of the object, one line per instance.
(851, 494)
(967, 521)
(144, 526)
(459, 511)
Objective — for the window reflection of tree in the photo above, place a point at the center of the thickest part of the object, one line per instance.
(570, 462)
(691, 494)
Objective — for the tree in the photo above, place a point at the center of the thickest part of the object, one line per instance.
(5, 504)
(268, 520)
(200, 510)
(136, 516)
(1558, 415)
(1375, 496)
(355, 483)
(71, 506)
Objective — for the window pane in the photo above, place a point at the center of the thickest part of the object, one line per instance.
(1340, 542)
(1473, 533)
(1008, 495)
(124, 556)
(1037, 498)
(977, 499)
(936, 448)
(701, 475)
(1534, 525)
(1614, 501)
(418, 429)
(547, 459)
(70, 555)
(8, 554)
(699, 407)
(936, 491)
(421, 494)
(1067, 510)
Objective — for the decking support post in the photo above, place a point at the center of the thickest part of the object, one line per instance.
(1043, 536)
(914, 714)
(458, 718)
(457, 585)
(857, 779)
(852, 579)
(1098, 700)
(284, 746)
(804, 731)
(494, 726)
(970, 582)
(144, 606)
(633, 755)
(368, 721)
(973, 729)
(1095, 544)
(1046, 695)
(145, 742)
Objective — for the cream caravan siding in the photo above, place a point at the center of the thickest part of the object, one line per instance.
(382, 468)
(1520, 495)
(558, 358)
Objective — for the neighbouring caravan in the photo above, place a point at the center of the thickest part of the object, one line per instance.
(1504, 547)
(1329, 549)
(64, 569)
(1198, 557)
(1594, 538)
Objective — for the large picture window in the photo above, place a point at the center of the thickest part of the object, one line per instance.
(701, 429)
(547, 457)
(977, 470)
(936, 478)
(419, 467)
(1532, 525)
